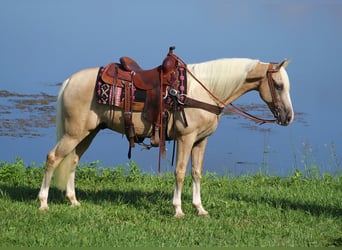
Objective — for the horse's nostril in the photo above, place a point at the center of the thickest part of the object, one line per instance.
(289, 119)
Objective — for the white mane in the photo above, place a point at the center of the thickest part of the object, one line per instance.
(222, 76)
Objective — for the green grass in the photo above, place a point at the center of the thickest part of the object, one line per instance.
(125, 207)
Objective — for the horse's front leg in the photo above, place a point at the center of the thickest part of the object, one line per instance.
(183, 153)
(197, 156)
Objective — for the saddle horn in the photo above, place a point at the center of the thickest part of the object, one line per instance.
(171, 49)
(169, 63)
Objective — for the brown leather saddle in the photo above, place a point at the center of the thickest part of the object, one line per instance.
(155, 82)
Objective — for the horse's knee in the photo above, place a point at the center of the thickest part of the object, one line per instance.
(180, 175)
(196, 174)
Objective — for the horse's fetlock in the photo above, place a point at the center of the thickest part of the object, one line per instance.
(200, 209)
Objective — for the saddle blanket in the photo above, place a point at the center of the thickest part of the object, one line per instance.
(112, 95)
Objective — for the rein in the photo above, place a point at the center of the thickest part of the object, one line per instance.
(233, 108)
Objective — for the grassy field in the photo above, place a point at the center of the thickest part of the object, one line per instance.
(124, 207)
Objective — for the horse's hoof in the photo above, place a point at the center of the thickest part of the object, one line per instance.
(203, 213)
(43, 208)
(75, 204)
(201, 210)
(179, 215)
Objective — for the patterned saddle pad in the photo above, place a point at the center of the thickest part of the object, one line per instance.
(112, 95)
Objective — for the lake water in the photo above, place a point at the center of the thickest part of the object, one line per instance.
(45, 42)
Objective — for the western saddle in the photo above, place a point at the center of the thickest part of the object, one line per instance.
(160, 83)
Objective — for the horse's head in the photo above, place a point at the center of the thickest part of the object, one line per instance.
(274, 89)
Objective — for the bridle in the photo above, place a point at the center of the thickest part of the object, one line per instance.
(271, 69)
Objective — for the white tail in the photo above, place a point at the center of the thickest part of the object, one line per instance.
(62, 172)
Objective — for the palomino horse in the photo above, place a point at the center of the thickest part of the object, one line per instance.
(218, 82)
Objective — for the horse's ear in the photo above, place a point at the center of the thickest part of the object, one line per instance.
(283, 64)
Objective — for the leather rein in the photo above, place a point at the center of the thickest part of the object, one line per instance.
(235, 109)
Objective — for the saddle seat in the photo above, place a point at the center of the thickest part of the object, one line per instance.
(150, 79)
(130, 65)
(143, 79)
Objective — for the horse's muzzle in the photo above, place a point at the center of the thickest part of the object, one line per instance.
(284, 117)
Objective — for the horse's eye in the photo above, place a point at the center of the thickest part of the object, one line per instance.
(278, 86)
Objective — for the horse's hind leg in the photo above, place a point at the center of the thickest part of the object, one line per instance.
(54, 158)
(70, 187)
(80, 149)
(196, 172)
(44, 189)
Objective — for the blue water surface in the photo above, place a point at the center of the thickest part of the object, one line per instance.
(44, 42)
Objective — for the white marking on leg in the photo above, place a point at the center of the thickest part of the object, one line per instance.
(196, 196)
(177, 202)
(70, 190)
(183, 153)
(197, 155)
(44, 190)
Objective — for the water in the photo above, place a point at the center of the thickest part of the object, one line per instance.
(45, 42)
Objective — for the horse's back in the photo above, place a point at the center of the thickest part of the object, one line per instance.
(83, 75)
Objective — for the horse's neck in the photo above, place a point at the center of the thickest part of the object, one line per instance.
(222, 77)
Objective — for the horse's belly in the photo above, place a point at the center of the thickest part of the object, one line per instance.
(116, 121)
